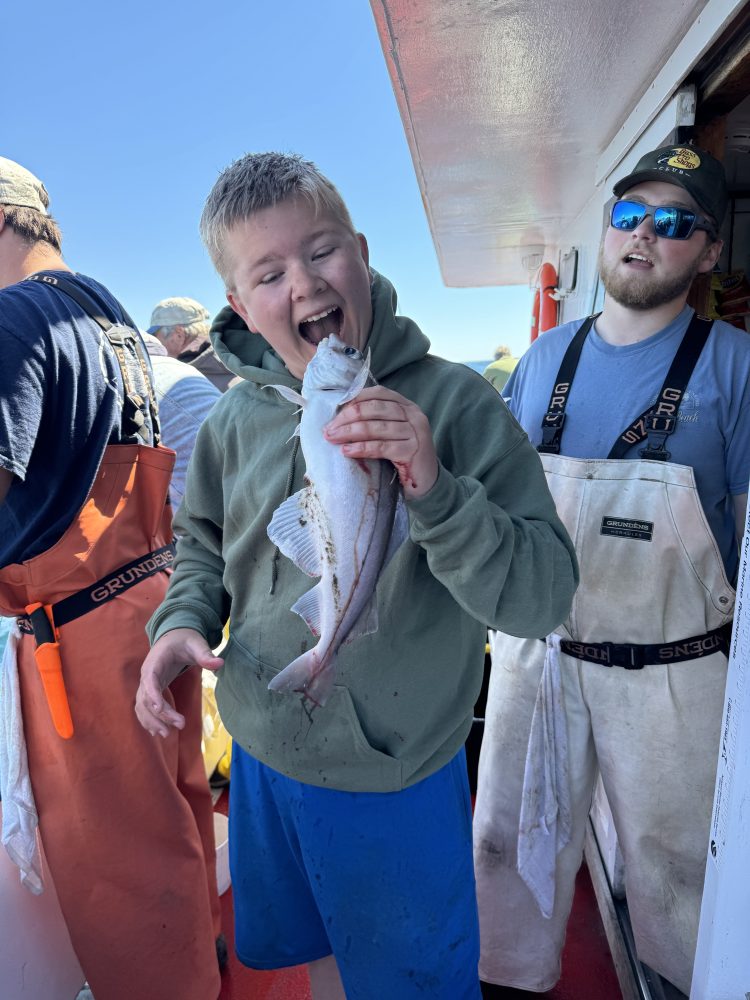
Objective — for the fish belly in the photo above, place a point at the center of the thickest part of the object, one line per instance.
(356, 502)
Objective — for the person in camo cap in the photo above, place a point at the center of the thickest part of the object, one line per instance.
(182, 325)
(85, 546)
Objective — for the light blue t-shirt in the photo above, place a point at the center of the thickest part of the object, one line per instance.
(185, 397)
(614, 385)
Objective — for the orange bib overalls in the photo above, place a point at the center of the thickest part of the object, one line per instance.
(125, 819)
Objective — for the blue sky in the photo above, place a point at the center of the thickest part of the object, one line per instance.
(128, 112)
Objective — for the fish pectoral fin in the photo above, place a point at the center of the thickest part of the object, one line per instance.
(308, 607)
(362, 378)
(291, 530)
(367, 623)
(292, 395)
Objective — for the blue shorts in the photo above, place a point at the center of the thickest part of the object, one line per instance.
(384, 881)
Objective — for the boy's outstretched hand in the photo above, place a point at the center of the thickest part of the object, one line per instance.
(167, 658)
(381, 423)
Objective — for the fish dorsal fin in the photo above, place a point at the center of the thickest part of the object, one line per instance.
(360, 381)
(294, 534)
(308, 607)
(291, 394)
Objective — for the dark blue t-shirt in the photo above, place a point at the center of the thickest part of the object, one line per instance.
(60, 404)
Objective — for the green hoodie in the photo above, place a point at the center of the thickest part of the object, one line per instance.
(486, 548)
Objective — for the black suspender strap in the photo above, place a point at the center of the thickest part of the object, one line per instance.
(660, 420)
(104, 590)
(128, 351)
(656, 423)
(554, 418)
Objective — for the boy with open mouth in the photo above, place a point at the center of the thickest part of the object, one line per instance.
(350, 824)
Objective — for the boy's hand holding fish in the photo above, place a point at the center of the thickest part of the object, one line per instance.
(381, 423)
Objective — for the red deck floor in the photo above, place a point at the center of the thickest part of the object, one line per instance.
(587, 973)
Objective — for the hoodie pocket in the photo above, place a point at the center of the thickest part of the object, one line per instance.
(320, 746)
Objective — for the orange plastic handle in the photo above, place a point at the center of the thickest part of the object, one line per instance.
(50, 668)
(49, 664)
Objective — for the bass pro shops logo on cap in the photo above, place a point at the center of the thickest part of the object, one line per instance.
(680, 158)
(693, 169)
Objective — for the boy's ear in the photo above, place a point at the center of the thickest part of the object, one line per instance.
(236, 304)
(363, 248)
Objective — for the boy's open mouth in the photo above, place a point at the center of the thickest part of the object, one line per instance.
(321, 325)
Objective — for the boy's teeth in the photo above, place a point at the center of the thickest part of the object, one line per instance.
(311, 319)
(324, 323)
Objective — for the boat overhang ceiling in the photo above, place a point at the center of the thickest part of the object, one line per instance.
(515, 110)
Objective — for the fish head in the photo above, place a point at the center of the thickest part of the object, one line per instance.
(335, 365)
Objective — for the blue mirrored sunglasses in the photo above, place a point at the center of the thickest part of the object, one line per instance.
(671, 223)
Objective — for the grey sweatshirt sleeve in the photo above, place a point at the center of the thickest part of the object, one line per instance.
(488, 526)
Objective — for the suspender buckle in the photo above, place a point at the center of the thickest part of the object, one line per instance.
(118, 336)
(658, 429)
(552, 427)
(658, 424)
(625, 655)
(655, 450)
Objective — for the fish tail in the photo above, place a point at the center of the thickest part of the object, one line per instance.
(306, 676)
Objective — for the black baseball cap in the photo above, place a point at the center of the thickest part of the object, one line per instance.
(693, 169)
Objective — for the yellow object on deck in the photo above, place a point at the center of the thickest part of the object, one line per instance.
(216, 741)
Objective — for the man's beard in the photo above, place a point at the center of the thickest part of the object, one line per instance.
(643, 295)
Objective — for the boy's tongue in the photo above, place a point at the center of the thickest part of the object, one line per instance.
(316, 330)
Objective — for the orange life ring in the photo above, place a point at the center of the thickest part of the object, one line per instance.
(544, 309)
(535, 316)
(548, 305)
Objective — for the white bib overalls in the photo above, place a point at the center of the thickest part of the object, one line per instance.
(651, 573)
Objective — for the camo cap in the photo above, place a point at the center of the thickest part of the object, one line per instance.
(177, 311)
(19, 187)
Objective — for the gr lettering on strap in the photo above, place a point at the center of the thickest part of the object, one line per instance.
(124, 579)
(109, 587)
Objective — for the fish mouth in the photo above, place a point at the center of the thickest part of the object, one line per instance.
(322, 324)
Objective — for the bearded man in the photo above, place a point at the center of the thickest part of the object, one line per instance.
(641, 416)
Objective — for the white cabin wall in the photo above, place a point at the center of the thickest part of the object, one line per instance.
(583, 233)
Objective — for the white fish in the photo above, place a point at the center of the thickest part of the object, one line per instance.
(342, 527)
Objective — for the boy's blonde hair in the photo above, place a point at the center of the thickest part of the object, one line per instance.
(258, 181)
